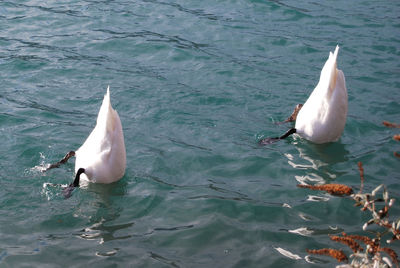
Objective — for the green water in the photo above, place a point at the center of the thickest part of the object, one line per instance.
(196, 85)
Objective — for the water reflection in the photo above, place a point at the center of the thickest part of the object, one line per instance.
(317, 161)
(315, 164)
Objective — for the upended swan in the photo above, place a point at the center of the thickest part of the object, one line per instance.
(102, 157)
(323, 116)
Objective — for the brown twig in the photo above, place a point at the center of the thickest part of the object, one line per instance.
(333, 189)
(334, 253)
(361, 169)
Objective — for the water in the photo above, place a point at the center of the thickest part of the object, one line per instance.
(196, 84)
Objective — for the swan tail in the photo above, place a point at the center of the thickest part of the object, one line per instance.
(334, 70)
(329, 74)
(106, 115)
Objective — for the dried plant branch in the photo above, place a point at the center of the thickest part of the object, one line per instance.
(350, 242)
(372, 243)
(365, 239)
(334, 253)
(392, 255)
(395, 137)
(380, 217)
(333, 189)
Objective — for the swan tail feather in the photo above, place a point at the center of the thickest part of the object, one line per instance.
(106, 115)
(333, 72)
(330, 72)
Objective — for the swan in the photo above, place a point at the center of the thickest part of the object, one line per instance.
(323, 116)
(102, 157)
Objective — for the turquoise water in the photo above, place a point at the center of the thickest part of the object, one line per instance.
(196, 85)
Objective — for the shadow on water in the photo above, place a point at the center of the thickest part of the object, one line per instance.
(102, 199)
(92, 213)
(328, 153)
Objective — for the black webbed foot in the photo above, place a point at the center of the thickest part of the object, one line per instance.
(62, 161)
(296, 111)
(293, 116)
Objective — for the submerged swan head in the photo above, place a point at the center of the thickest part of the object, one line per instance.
(102, 157)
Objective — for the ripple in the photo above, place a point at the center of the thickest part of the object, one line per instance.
(316, 198)
(288, 254)
(103, 233)
(107, 253)
(177, 228)
(197, 12)
(307, 231)
(53, 10)
(304, 231)
(164, 260)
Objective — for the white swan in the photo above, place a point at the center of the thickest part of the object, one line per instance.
(103, 155)
(323, 117)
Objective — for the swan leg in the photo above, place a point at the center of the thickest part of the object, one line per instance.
(267, 141)
(293, 116)
(288, 133)
(67, 192)
(62, 161)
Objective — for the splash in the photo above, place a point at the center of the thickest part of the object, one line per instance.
(42, 166)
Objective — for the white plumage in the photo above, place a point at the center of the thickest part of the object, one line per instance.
(323, 117)
(103, 154)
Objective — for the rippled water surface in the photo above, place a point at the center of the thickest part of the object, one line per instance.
(196, 85)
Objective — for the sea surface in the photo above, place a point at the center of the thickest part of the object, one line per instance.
(196, 84)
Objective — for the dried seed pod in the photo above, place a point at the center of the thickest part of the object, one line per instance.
(333, 189)
(334, 253)
(372, 243)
